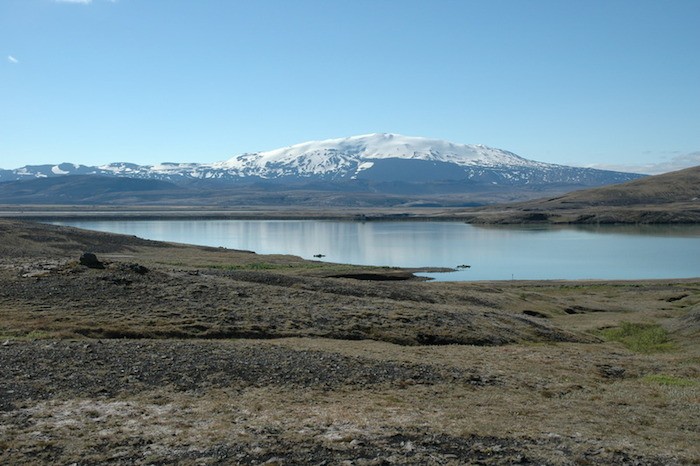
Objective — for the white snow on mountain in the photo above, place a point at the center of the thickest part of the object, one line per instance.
(356, 152)
(56, 170)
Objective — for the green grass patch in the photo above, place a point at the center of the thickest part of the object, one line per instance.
(251, 266)
(24, 335)
(642, 338)
(320, 266)
(598, 286)
(669, 380)
(263, 266)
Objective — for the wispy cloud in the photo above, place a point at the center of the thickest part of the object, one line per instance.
(12, 59)
(678, 162)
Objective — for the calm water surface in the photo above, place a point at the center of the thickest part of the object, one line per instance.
(494, 253)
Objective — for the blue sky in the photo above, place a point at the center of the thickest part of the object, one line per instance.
(608, 83)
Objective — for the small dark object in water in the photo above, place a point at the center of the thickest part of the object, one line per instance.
(319, 255)
(464, 266)
(90, 260)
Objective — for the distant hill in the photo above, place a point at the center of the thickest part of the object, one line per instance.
(119, 191)
(678, 186)
(669, 198)
(88, 189)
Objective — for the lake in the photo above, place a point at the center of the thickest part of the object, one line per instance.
(492, 252)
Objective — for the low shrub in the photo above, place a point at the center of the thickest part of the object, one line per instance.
(642, 338)
(669, 380)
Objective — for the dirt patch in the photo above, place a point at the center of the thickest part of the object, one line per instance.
(377, 277)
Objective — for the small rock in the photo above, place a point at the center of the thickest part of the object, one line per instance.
(611, 372)
(90, 261)
(274, 461)
(139, 269)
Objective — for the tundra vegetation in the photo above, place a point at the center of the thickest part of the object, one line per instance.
(193, 355)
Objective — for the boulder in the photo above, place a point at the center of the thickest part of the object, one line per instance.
(90, 260)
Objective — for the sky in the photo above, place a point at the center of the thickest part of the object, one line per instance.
(596, 83)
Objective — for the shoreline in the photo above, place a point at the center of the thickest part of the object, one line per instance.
(478, 216)
(44, 213)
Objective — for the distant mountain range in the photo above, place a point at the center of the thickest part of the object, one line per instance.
(373, 164)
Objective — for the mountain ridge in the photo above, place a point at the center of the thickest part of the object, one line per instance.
(417, 170)
(354, 154)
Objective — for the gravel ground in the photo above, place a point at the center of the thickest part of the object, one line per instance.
(121, 402)
(42, 370)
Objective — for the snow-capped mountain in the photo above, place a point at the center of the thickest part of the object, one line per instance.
(376, 157)
(345, 157)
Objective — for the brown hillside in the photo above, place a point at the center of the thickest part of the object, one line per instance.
(662, 199)
(679, 186)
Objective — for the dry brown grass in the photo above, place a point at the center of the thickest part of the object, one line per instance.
(661, 199)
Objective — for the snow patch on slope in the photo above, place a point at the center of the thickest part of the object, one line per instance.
(56, 170)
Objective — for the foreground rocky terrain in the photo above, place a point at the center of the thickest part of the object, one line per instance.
(169, 353)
